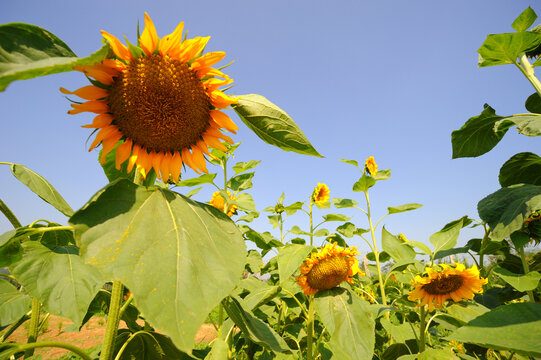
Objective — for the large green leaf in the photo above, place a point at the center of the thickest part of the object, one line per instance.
(13, 303)
(477, 136)
(432, 354)
(513, 327)
(58, 278)
(527, 124)
(506, 210)
(272, 124)
(524, 20)
(446, 238)
(521, 168)
(253, 328)
(521, 282)
(41, 187)
(28, 51)
(401, 332)
(533, 103)
(397, 248)
(349, 322)
(290, 258)
(163, 247)
(499, 49)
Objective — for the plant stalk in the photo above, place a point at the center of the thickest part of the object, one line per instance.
(311, 224)
(33, 327)
(526, 268)
(310, 329)
(422, 330)
(14, 327)
(74, 349)
(376, 252)
(113, 319)
(9, 215)
(528, 71)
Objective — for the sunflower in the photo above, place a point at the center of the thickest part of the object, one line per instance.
(371, 166)
(321, 194)
(159, 101)
(218, 202)
(327, 268)
(456, 283)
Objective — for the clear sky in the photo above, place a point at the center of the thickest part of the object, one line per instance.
(389, 78)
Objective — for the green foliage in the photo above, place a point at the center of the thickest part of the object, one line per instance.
(403, 208)
(446, 238)
(290, 258)
(522, 168)
(395, 247)
(521, 282)
(13, 303)
(524, 20)
(500, 49)
(272, 124)
(28, 51)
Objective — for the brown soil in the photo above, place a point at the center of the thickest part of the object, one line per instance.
(90, 335)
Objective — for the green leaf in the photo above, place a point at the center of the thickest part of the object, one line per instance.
(203, 179)
(10, 248)
(254, 261)
(274, 220)
(444, 253)
(533, 103)
(499, 49)
(298, 231)
(520, 239)
(262, 295)
(383, 257)
(340, 203)
(524, 20)
(507, 327)
(466, 312)
(349, 322)
(245, 202)
(241, 182)
(219, 350)
(321, 232)
(364, 183)
(478, 135)
(422, 246)
(293, 208)
(527, 124)
(398, 249)
(347, 229)
(401, 332)
(245, 166)
(13, 303)
(290, 258)
(41, 187)
(522, 168)
(351, 162)
(336, 217)
(253, 328)
(432, 354)
(521, 282)
(189, 250)
(383, 175)
(506, 210)
(446, 238)
(28, 51)
(402, 208)
(112, 173)
(272, 124)
(58, 278)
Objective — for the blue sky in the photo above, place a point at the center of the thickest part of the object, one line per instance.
(391, 79)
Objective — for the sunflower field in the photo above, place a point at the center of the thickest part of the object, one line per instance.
(143, 251)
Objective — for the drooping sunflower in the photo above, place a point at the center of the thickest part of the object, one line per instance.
(371, 166)
(455, 283)
(218, 202)
(321, 194)
(159, 101)
(328, 268)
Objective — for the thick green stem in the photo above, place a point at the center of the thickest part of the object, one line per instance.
(14, 327)
(311, 224)
(528, 71)
(422, 330)
(74, 349)
(33, 327)
(9, 215)
(310, 329)
(526, 268)
(113, 319)
(281, 228)
(376, 252)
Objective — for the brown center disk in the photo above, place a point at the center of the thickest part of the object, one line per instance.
(328, 273)
(445, 285)
(160, 104)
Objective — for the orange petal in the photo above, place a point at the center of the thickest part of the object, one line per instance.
(165, 165)
(175, 164)
(223, 121)
(172, 40)
(89, 92)
(214, 83)
(123, 152)
(188, 159)
(94, 106)
(192, 48)
(143, 162)
(210, 71)
(114, 64)
(155, 160)
(208, 59)
(104, 133)
(97, 72)
(199, 159)
(108, 144)
(119, 49)
(216, 133)
(133, 158)
(213, 142)
(100, 121)
(220, 100)
(203, 147)
(149, 37)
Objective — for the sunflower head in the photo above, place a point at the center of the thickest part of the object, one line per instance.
(320, 195)
(328, 268)
(455, 283)
(218, 202)
(371, 166)
(161, 98)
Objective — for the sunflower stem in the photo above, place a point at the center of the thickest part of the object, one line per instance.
(526, 268)
(422, 330)
(14, 327)
(9, 215)
(310, 329)
(311, 224)
(113, 319)
(74, 349)
(33, 327)
(528, 71)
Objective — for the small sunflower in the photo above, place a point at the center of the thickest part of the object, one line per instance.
(159, 101)
(456, 283)
(371, 166)
(533, 226)
(218, 202)
(328, 268)
(321, 194)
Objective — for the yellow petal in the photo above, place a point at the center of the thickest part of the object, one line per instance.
(223, 121)
(123, 152)
(175, 166)
(208, 59)
(89, 92)
(192, 48)
(210, 71)
(119, 49)
(172, 40)
(133, 158)
(220, 100)
(149, 37)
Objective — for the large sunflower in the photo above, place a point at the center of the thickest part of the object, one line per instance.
(451, 283)
(328, 268)
(159, 101)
